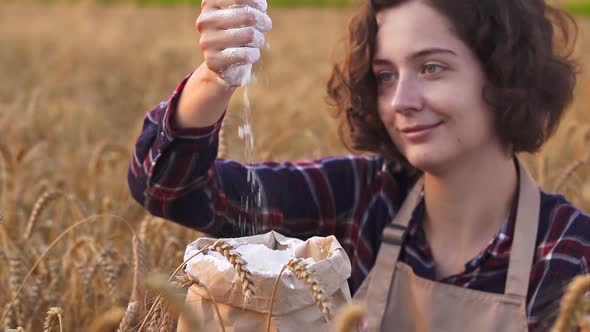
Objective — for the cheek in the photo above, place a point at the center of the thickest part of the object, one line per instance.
(381, 109)
(475, 124)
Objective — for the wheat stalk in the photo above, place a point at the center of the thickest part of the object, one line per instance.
(571, 309)
(301, 271)
(349, 318)
(54, 316)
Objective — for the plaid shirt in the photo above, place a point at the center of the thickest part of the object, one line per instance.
(175, 174)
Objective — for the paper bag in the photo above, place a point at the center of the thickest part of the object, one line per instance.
(294, 308)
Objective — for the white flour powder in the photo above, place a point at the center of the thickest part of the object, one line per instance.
(261, 259)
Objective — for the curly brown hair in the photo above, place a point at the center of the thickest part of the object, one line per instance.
(525, 48)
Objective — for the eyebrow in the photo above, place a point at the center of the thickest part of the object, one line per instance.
(419, 54)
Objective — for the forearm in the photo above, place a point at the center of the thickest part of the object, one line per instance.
(203, 100)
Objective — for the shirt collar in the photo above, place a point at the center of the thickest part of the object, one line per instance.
(496, 247)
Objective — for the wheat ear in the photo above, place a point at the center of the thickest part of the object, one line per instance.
(101, 150)
(571, 303)
(138, 266)
(80, 242)
(104, 262)
(239, 264)
(166, 324)
(42, 202)
(16, 274)
(54, 316)
(156, 316)
(128, 317)
(61, 236)
(301, 271)
(348, 318)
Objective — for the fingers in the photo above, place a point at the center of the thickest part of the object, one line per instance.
(232, 33)
(218, 40)
(231, 57)
(261, 5)
(235, 17)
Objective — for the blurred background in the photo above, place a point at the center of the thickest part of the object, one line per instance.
(77, 78)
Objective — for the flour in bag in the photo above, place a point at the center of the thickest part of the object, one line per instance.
(261, 259)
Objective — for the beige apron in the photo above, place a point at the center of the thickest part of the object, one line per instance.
(407, 302)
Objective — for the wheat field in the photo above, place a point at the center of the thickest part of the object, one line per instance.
(76, 83)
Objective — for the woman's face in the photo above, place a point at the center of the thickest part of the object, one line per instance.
(430, 89)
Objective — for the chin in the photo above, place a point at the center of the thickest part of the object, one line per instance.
(427, 161)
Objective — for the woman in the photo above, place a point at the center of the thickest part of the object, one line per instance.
(456, 234)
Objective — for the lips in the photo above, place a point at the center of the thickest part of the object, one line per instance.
(417, 128)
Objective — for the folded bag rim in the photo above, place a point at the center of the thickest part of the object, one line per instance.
(292, 293)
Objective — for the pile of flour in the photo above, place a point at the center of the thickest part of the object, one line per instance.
(260, 259)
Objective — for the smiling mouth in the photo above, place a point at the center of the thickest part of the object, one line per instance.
(414, 129)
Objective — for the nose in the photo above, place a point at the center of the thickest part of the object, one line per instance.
(407, 96)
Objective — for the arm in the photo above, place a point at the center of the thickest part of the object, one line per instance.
(174, 174)
(563, 252)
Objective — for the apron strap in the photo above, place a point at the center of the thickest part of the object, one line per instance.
(521, 255)
(381, 281)
(525, 234)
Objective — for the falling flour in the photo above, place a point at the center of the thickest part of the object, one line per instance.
(242, 76)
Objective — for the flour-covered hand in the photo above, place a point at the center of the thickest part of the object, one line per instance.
(232, 33)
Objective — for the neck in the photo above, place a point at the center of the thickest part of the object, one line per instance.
(466, 206)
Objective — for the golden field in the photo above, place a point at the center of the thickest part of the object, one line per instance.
(75, 84)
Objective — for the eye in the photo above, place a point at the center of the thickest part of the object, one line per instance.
(431, 68)
(385, 77)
